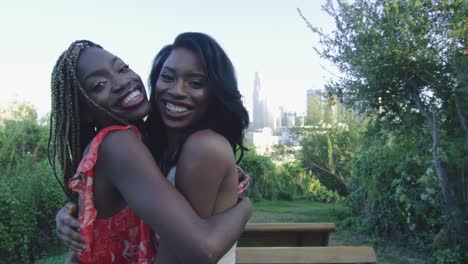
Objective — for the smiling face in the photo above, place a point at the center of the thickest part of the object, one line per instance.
(112, 85)
(182, 93)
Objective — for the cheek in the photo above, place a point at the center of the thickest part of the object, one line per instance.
(203, 97)
(158, 90)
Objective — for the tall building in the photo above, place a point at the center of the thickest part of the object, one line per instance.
(264, 123)
(262, 114)
(258, 106)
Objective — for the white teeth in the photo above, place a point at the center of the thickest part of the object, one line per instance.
(131, 96)
(175, 108)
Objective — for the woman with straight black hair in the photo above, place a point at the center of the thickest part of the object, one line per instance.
(199, 122)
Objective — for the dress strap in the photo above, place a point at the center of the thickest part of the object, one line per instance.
(89, 160)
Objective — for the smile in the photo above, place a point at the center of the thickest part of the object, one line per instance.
(132, 96)
(133, 99)
(176, 108)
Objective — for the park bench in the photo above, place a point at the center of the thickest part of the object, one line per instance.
(305, 255)
(286, 234)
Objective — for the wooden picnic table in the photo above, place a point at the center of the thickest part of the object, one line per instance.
(286, 234)
(305, 255)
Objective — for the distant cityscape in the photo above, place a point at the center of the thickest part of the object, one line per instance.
(269, 126)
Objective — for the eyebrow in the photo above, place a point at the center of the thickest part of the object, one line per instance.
(194, 74)
(101, 71)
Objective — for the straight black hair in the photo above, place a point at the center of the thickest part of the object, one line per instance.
(225, 115)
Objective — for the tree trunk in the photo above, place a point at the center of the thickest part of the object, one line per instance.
(455, 220)
(464, 184)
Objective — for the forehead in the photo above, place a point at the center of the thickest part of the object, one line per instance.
(183, 59)
(93, 59)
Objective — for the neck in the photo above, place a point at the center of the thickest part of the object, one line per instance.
(173, 138)
(140, 124)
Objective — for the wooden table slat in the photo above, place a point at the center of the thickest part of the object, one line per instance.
(305, 255)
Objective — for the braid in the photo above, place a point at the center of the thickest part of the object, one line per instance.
(65, 143)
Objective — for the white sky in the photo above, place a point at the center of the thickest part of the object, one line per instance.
(267, 36)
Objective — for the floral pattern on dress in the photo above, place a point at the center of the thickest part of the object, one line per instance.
(121, 238)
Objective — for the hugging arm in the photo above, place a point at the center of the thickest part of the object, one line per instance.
(67, 224)
(160, 205)
(206, 175)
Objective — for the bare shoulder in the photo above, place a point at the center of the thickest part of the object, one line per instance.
(118, 144)
(208, 144)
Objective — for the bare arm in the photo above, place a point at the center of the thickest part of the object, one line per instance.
(132, 171)
(207, 174)
(207, 177)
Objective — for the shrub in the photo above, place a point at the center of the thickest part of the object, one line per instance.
(286, 181)
(29, 195)
(394, 188)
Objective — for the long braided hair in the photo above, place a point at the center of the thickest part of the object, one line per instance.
(69, 135)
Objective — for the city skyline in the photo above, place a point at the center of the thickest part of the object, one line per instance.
(261, 36)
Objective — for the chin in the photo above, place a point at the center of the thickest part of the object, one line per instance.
(139, 114)
(174, 125)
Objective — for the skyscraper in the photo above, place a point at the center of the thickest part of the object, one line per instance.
(258, 104)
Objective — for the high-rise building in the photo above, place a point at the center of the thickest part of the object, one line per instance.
(258, 105)
(264, 123)
(263, 116)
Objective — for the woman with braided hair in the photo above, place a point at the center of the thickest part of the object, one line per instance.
(98, 105)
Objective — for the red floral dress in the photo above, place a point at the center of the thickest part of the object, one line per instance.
(121, 238)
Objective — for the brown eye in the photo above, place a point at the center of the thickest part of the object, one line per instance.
(166, 77)
(124, 68)
(195, 84)
(99, 86)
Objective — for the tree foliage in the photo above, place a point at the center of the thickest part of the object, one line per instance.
(405, 62)
(283, 181)
(329, 149)
(29, 195)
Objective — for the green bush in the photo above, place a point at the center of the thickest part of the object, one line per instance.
(296, 183)
(286, 181)
(446, 256)
(29, 195)
(264, 176)
(394, 188)
(28, 203)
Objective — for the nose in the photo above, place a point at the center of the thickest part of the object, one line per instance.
(178, 89)
(120, 83)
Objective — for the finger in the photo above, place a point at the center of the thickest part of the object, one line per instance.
(240, 173)
(65, 216)
(70, 221)
(245, 182)
(69, 218)
(240, 190)
(74, 245)
(71, 234)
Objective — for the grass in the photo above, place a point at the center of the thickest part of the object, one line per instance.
(298, 211)
(58, 259)
(306, 211)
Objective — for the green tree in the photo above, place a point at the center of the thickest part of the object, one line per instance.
(405, 62)
(328, 149)
(29, 196)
